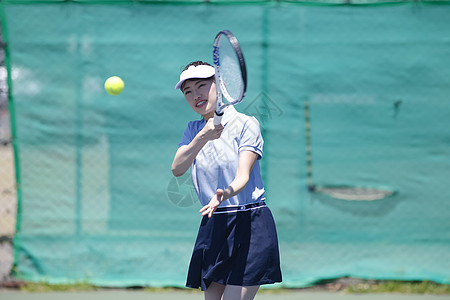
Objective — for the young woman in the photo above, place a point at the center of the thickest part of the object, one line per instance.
(236, 249)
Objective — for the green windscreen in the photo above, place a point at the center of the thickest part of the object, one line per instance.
(98, 201)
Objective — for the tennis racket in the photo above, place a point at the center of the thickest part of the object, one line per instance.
(230, 72)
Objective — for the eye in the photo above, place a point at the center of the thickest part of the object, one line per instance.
(187, 92)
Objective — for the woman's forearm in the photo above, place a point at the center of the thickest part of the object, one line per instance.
(236, 186)
(186, 154)
(247, 160)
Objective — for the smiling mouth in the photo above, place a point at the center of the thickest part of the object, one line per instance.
(201, 103)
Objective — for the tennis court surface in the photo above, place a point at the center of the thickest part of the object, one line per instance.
(120, 294)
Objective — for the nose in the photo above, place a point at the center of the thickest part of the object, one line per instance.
(197, 94)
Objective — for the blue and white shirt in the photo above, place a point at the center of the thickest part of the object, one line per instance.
(216, 164)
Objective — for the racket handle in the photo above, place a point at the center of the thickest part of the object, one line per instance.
(217, 118)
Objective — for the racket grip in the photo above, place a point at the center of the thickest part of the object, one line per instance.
(217, 118)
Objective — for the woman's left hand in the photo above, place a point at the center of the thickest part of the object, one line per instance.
(210, 208)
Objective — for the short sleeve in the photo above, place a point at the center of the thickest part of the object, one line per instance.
(187, 136)
(191, 131)
(250, 138)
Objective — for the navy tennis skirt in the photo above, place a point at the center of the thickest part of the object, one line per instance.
(237, 246)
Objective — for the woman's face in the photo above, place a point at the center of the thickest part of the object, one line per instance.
(201, 96)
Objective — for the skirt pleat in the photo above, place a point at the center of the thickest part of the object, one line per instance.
(239, 248)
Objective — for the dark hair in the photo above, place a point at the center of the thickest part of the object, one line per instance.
(196, 63)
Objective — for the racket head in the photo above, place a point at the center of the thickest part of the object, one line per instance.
(230, 70)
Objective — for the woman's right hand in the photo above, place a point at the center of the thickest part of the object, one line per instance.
(187, 153)
(211, 131)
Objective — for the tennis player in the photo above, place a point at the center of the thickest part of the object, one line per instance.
(236, 249)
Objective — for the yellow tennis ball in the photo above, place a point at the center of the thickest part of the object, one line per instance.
(114, 85)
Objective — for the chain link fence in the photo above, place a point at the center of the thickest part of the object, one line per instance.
(8, 199)
(352, 102)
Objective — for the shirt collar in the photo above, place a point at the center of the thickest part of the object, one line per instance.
(229, 114)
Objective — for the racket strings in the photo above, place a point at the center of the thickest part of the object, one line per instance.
(232, 84)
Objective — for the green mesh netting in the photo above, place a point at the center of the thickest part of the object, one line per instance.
(98, 201)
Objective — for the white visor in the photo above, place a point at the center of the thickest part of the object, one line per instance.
(201, 71)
